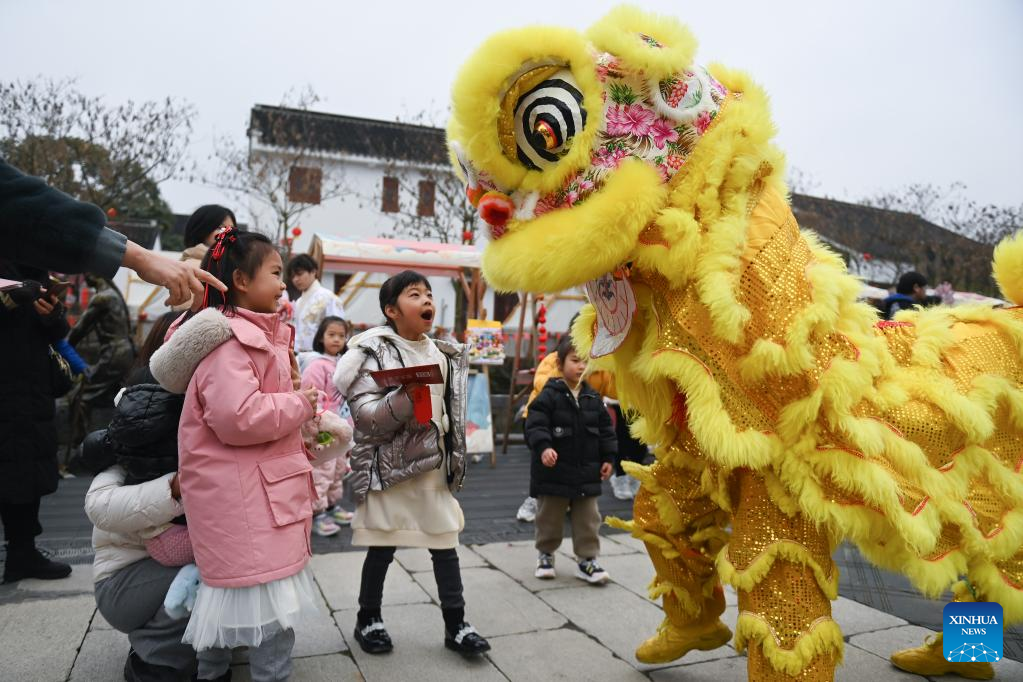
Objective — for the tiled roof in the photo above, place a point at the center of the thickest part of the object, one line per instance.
(366, 137)
(899, 237)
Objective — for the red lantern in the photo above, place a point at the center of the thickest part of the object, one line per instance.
(541, 350)
(467, 237)
(296, 231)
(542, 329)
(543, 337)
(111, 212)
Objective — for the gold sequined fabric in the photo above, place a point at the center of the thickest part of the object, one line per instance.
(890, 457)
(775, 287)
(788, 599)
(691, 570)
(820, 669)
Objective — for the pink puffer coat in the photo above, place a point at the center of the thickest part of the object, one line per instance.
(246, 481)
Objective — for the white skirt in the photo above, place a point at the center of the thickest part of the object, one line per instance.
(228, 617)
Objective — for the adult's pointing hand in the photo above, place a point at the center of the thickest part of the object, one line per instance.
(183, 279)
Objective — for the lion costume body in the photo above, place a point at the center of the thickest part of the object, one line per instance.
(775, 401)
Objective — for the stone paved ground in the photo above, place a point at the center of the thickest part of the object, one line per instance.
(560, 629)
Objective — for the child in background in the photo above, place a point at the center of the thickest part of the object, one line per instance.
(573, 448)
(329, 343)
(314, 302)
(245, 478)
(404, 471)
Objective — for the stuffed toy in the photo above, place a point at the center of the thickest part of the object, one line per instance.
(327, 436)
(785, 417)
(182, 592)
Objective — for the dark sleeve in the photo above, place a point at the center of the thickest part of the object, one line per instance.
(608, 439)
(538, 423)
(45, 228)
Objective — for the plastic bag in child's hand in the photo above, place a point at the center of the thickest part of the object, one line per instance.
(182, 592)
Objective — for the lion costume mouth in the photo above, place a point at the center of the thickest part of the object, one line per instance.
(567, 247)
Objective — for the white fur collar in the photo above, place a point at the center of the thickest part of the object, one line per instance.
(174, 363)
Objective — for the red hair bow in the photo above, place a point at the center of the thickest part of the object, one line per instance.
(224, 238)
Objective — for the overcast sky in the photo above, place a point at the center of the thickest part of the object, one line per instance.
(867, 94)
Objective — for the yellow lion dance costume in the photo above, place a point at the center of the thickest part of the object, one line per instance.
(776, 402)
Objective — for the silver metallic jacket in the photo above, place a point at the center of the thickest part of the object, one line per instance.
(390, 445)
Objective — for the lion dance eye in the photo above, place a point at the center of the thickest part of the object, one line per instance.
(547, 117)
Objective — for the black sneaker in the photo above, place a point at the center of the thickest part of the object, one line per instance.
(590, 571)
(30, 563)
(466, 641)
(545, 566)
(372, 637)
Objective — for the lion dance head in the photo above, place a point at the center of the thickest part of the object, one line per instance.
(570, 143)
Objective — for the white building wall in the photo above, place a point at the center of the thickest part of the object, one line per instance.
(356, 213)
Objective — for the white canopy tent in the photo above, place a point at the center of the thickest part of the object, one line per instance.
(371, 261)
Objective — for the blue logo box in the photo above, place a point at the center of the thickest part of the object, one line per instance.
(972, 631)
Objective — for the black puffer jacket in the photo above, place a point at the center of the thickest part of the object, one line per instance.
(143, 435)
(580, 433)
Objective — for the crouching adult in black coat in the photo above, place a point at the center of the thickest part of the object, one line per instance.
(29, 323)
(573, 448)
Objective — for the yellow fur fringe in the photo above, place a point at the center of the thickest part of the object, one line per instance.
(598, 234)
(1009, 268)
(619, 32)
(748, 578)
(481, 84)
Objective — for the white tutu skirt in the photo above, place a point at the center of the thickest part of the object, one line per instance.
(228, 617)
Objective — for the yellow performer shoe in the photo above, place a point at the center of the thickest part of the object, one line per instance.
(672, 642)
(928, 660)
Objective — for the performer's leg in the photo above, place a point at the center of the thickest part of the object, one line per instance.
(682, 531)
(782, 569)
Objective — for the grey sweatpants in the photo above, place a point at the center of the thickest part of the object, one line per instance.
(268, 662)
(132, 601)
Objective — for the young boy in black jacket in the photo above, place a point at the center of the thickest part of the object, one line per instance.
(573, 447)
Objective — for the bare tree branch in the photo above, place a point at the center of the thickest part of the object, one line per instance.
(263, 176)
(114, 156)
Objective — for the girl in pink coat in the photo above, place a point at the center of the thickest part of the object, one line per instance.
(246, 482)
(318, 372)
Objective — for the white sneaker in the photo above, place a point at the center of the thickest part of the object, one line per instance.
(621, 488)
(591, 572)
(527, 510)
(545, 566)
(324, 526)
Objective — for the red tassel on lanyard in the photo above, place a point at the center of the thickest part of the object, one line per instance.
(422, 404)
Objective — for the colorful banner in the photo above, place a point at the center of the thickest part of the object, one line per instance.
(485, 339)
